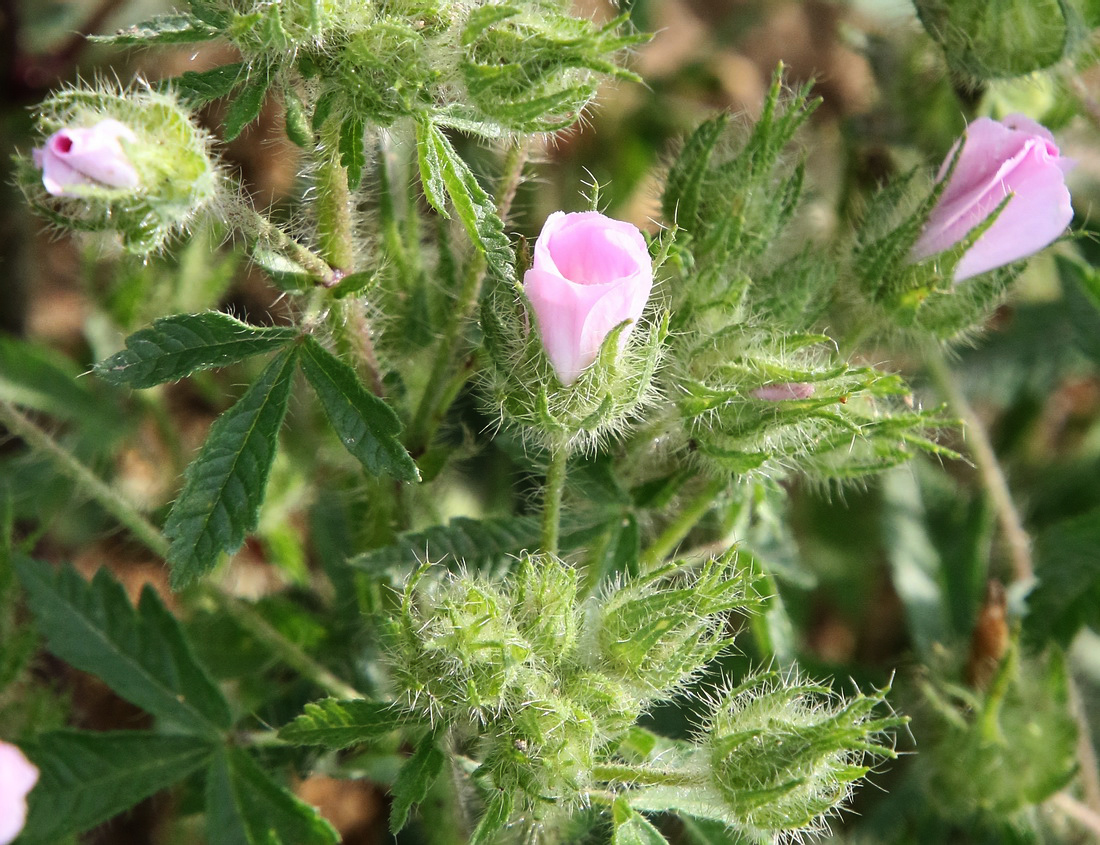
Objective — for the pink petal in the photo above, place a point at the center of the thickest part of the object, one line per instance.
(17, 777)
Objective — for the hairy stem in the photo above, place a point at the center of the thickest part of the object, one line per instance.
(153, 539)
(258, 227)
(992, 476)
(107, 497)
(551, 508)
(680, 527)
(335, 233)
(623, 774)
(435, 400)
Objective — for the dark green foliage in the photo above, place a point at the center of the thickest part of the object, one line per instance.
(86, 778)
(141, 653)
(415, 779)
(338, 724)
(246, 107)
(224, 486)
(1067, 597)
(175, 347)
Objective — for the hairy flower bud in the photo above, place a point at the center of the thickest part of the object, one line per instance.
(75, 158)
(590, 273)
(1014, 158)
(130, 163)
(17, 777)
(983, 40)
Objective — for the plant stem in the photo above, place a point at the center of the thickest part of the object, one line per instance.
(680, 527)
(108, 498)
(335, 233)
(257, 226)
(247, 618)
(555, 486)
(637, 775)
(985, 459)
(433, 404)
(153, 539)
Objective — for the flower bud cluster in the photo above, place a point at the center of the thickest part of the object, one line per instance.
(132, 163)
(538, 680)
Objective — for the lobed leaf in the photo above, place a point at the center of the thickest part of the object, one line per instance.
(246, 108)
(225, 484)
(440, 166)
(366, 425)
(337, 724)
(244, 806)
(415, 779)
(86, 778)
(685, 180)
(175, 347)
(165, 29)
(142, 654)
(200, 87)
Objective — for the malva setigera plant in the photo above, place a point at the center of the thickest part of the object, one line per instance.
(657, 389)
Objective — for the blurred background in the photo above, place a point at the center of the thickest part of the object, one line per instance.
(911, 579)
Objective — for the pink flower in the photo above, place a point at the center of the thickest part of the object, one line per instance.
(590, 273)
(86, 157)
(783, 392)
(1015, 156)
(17, 777)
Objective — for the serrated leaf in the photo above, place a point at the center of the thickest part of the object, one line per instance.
(225, 484)
(246, 107)
(244, 806)
(353, 283)
(199, 87)
(440, 164)
(632, 828)
(86, 778)
(366, 425)
(473, 542)
(336, 723)
(415, 779)
(165, 29)
(1067, 564)
(497, 814)
(175, 347)
(685, 179)
(141, 654)
(353, 154)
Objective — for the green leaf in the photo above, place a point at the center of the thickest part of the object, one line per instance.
(441, 165)
(165, 29)
(367, 426)
(496, 817)
(200, 87)
(297, 124)
(632, 828)
(224, 486)
(38, 378)
(86, 778)
(709, 832)
(175, 347)
(1081, 289)
(685, 180)
(353, 154)
(244, 806)
(473, 542)
(142, 655)
(1067, 563)
(246, 108)
(415, 779)
(353, 283)
(338, 724)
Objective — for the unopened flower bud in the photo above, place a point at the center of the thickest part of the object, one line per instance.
(783, 392)
(131, 163)
(590, 273)
(74, 158)
(17, 777)
(1014, 158)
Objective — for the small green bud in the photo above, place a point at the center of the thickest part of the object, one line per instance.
(784, 755)
(989, 40)
(131, 163)
(384, 71)
(546, 606)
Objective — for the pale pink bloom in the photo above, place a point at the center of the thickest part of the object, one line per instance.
(86, 157)
(17, 777)
(589, 274)
(1015, 156)
(782, 392)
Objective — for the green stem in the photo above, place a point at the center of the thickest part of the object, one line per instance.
(335, 233)
(107, 497)
(680, 527)
(153, 539)
(555, 486)
(433, 403)
(985, 459)
(612, 773)
(256, 226)
(248, 619)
